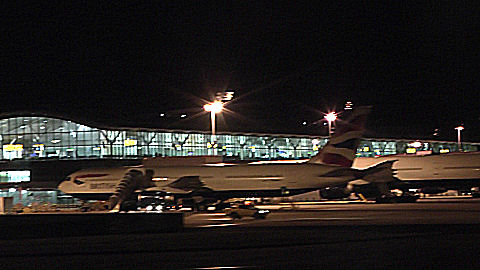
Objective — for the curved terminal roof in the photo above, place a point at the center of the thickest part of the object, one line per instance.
(97, 125)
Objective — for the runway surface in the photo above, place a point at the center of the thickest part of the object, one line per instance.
(425, 235)
(436, 211)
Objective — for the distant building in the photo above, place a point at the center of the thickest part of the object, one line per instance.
(50, 137)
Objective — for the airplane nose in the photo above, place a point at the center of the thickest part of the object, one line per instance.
(61, 186)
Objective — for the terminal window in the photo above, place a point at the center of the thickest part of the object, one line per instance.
(14, 176)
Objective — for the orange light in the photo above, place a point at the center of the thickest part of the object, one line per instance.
(214, 107)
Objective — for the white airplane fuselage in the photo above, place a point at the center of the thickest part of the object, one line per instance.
(450, 171)
(429, 167)
(230, 178)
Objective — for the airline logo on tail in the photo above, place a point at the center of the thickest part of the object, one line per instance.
(342, 147)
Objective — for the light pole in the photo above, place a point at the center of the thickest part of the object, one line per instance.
(330, 117)
(213, 108)
(459, 129)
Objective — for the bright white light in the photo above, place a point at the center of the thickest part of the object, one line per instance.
(224, 96)
(162, 114)
(183, 115)
(160, 179)
(214, 107)
(460, 128)
(416, 144)
(330, 117)
(229, 95)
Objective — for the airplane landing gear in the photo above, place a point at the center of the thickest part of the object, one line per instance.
(406, 197)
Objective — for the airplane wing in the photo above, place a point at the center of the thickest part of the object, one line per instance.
(166, 189)
(182, 185)
(187, 183)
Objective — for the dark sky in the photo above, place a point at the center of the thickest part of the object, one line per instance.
(126, 63)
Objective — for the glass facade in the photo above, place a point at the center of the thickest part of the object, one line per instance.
(38, 137)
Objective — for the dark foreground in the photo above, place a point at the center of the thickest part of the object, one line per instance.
(449, 242)
(330, 247)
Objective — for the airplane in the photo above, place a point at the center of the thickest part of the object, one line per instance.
(430, 173)
(425, 173)
(212, 183)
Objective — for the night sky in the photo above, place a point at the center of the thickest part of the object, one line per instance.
(125, 63)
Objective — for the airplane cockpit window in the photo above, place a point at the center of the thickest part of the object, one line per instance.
(78, 182)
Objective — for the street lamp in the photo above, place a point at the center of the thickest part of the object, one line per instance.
(330, 117)
(213, 108)
(459, 129)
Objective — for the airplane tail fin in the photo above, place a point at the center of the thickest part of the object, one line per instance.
(342, 147)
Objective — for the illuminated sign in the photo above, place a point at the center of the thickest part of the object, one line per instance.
(12, 147)
(411, 150)
(14, 176)
(130, 142)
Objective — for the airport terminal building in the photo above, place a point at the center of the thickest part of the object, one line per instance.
(44, 137)
(38, 150)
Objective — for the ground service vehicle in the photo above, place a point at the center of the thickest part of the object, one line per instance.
(240, 211)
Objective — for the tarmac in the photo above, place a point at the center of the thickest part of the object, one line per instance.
(435, 235)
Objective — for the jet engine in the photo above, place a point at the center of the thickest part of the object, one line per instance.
(332, 193)
(432, 190)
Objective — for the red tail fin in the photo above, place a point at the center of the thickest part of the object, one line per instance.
(342, 147)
